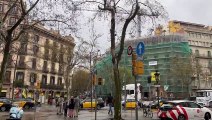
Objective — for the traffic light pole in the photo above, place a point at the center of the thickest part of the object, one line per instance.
(136, 98)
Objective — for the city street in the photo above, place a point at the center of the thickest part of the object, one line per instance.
(47, 112)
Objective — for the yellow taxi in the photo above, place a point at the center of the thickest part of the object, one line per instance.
(130, 103)
(87, 103)
(25, 103)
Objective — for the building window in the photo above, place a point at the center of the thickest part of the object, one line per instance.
(35, 49)
(36, 38)
(20, 76)
(197, 52)
(59, 82)
(44, 79)
(12, 21)
(52, 80)
(33, 63)
(14, 10)
(7, 76)
(1, 8)
(53, 67)
(33, 78)
(209, 53)
(45, 65)
(21, 61)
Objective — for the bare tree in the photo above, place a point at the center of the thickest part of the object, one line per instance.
(28, 14)
(121, 14)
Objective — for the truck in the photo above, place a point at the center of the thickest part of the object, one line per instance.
(130, 91)
(204, 97)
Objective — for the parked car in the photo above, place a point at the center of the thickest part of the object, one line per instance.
(87, 103)
(5, 104)
(25, 103)
(183, 110)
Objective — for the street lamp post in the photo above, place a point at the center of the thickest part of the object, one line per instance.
(157, 74)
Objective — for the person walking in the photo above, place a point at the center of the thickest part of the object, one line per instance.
(65, 107)
(76, 106)
(59, 105)
(71, 108)
(110, 103)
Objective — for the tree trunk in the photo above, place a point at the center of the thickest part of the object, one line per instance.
(117, 106)
(5, 59)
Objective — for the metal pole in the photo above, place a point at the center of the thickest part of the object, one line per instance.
(95, 102)
(158, 94)
(136, 98)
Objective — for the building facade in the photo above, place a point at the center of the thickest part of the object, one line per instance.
(39, 62)
(199, 37)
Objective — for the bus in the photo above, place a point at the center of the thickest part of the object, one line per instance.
(204, 97)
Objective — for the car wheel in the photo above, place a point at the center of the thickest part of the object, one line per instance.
(181, 117)
(3, 109)
(207, 116)
(26, 107)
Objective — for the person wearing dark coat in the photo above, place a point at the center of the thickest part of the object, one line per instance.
(71, 108)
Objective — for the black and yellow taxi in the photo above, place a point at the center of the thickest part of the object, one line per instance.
(5, 104)
(25, 103)
(86, 103)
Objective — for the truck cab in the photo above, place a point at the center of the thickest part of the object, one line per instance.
(204, 97)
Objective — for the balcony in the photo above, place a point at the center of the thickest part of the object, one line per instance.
(21, 66)
(52, 87)
(203, 56)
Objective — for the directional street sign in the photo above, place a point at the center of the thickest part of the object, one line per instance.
(140, 49)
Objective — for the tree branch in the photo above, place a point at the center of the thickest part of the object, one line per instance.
(124, 31)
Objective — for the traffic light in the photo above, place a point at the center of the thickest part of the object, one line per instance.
(94, 79)
(140, 67)
(149, 78)
(100, 81)
(134, 65)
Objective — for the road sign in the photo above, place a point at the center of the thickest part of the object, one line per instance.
(140, 48)
(129, 50)
(151, 63)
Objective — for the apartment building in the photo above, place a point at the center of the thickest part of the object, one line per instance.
(39, 61)
(199, 37)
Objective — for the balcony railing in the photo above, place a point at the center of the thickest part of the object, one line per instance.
(52, 87)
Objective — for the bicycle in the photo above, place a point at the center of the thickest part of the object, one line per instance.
(147, 112)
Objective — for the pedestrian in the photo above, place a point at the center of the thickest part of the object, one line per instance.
(65, 107)
(71, 108)
(110, 103)
(76, 106)
(59, 105)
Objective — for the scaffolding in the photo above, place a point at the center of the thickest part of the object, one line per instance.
(157, 48)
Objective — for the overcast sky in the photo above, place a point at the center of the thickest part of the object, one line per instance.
(194, 11)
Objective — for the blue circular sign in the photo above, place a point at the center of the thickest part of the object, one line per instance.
(140, 48)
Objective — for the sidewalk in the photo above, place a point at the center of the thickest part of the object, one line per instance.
(88, 115)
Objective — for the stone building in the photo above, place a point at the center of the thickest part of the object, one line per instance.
(39, 60)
